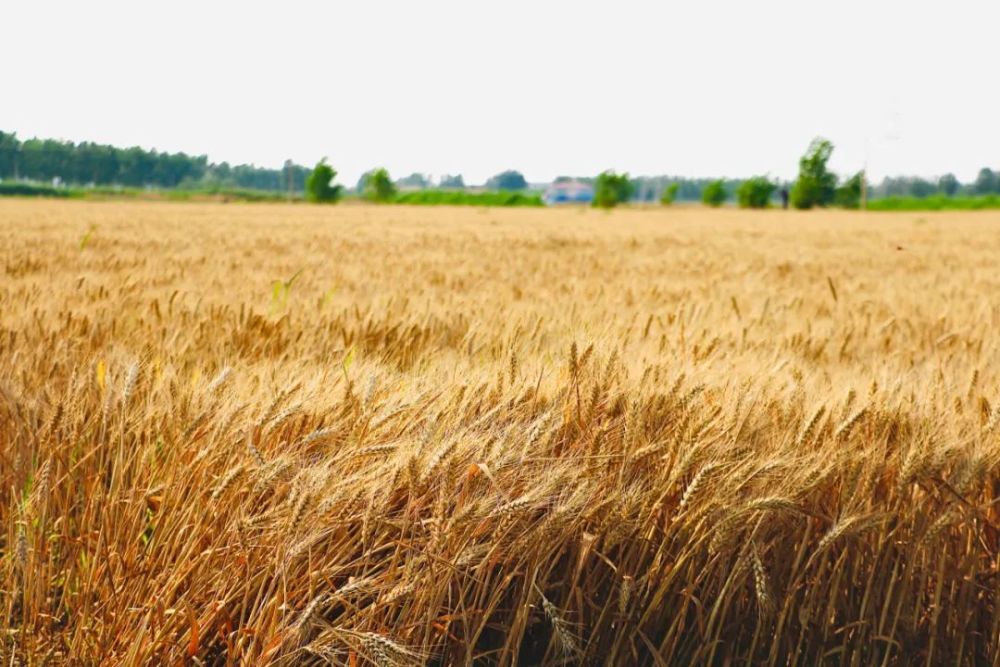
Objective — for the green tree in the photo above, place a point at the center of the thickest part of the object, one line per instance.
(507, 180)
(611, 189)
(816, 185)
(949, 185)
(669, 194)
(137, 166)
(378, 186)
(363, 182)
(986, 182)
(921, 188)
(415, 181)
(755, 192)
(714, 193)
(319, 184)
(848, 195)
(87, 163)
(9, 149)
(449, 182)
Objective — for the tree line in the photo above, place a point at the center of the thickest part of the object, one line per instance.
(93, 164)
(88, 163)
(987, 182)
(815, 186)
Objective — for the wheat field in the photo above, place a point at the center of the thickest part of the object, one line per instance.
(283, 434)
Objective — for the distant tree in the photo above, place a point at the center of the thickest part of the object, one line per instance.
(986, 182)
(921, 188)
(816, 185)
(644, 190)
(714, 193)
(319, 184)
(755, 192)
(99, 165)
(9, 147)
(137, 167)
(414, 180)
(507, 180)
(292, 177)
(848, 195)
(949, 185)
(450, 182)
(378, 186)
(88, 163)
(669, 194)
(363, 181)
(611, 189)
(894, 186)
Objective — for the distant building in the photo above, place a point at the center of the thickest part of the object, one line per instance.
(569, 192)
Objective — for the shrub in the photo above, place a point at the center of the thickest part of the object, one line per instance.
(848, 195)
(378, 186)
(714, 193)
(611, 189)
(319, 184)
(755, 192)
(669, 194)
(18, 189)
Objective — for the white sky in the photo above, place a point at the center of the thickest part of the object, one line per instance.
(725, 88)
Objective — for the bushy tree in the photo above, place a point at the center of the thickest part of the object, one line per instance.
(319, 184)
(949, 185)
(611, 189)
(986, 182)
(714, 193)
(507, 180)
(755, 192)
(378, 186)
(669, 194)
(816, 185)
(848, 195)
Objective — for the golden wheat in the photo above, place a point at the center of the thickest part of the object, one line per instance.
(476, 436)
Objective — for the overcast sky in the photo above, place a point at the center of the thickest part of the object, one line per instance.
(725, 88)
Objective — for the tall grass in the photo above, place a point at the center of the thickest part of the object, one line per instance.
(24, 189)
(461, 198)
(556, 439)
(936, 203)
(421, 197)
(21, 189)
